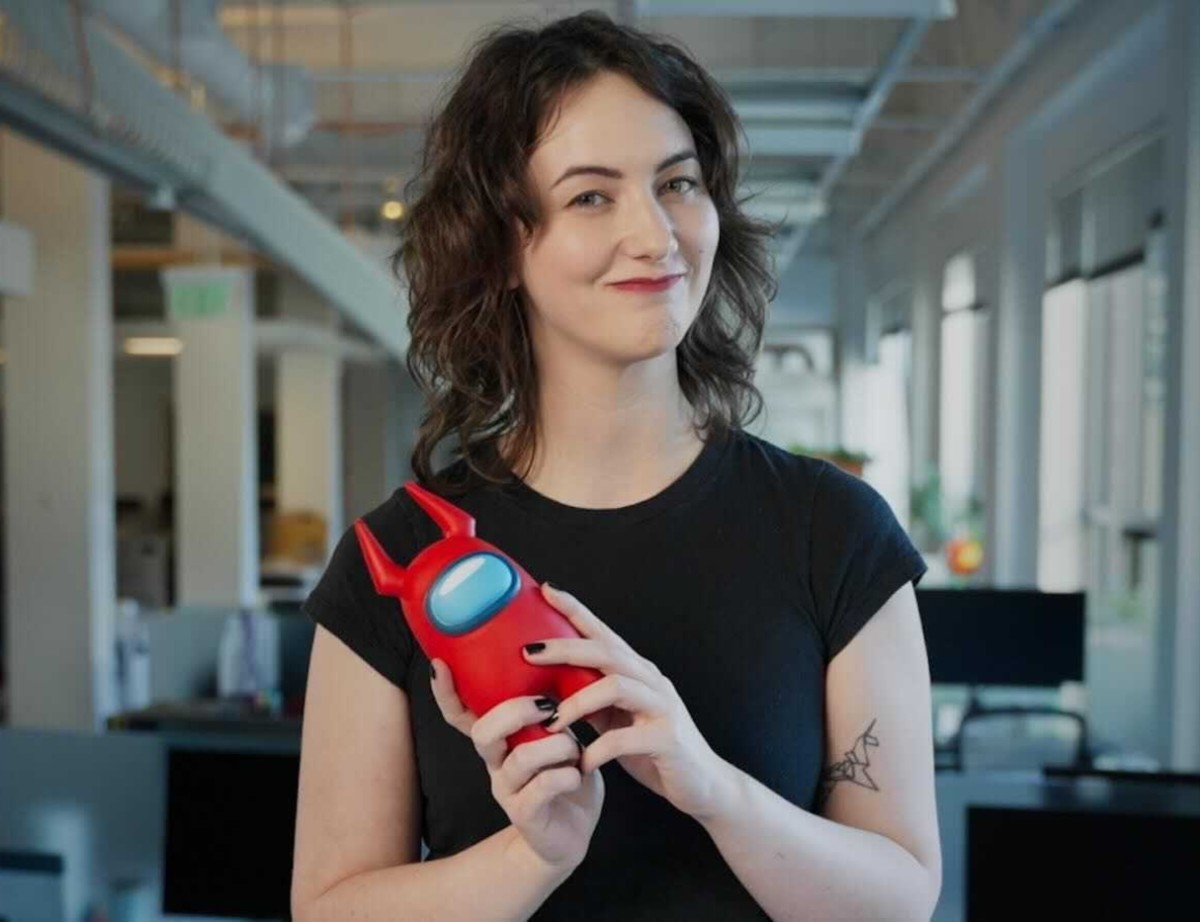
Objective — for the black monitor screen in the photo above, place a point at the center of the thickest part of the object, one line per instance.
(1003, 636)
(1072, 864)
(230, 825)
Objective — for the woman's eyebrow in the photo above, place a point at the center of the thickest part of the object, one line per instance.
(617, 174)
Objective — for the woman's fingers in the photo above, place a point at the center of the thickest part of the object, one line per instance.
(594, 654)
(541, 790)
(638, 740)
(447, 699)
(524, 763)
(617, 691)
(491, 731)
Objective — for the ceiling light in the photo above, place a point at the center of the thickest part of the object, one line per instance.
(392, 210)
(153, 345)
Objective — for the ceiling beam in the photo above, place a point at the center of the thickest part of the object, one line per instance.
(840, 108)
(321, 13)
(898, 60)
(731, 77)
(1036, 35)
(902, 9)
(802, 141)
(797, 211)
(136, 128)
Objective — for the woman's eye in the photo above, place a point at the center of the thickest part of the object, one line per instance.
(680, 184)
(583, 199)
(690, 184)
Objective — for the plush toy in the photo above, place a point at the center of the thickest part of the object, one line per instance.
(470, 604)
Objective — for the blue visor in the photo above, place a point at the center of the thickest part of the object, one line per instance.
(470, 591)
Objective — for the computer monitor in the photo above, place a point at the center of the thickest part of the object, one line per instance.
(230, 826)
(1025, 863)
(1012, 637)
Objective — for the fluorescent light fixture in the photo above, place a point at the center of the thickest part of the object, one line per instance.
(904, 9)
(153, 345)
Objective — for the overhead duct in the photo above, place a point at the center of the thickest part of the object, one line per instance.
(67, 84)
(277, 98)
(903, 9)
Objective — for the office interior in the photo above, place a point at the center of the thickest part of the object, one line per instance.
(988, 259)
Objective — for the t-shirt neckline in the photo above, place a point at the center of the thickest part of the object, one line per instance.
(684, 487)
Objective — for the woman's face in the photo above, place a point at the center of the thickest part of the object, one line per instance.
(621, 198)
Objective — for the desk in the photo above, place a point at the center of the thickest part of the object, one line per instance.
(209, 715)
(1024, 795)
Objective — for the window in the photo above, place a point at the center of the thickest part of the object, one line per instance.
(962, 390)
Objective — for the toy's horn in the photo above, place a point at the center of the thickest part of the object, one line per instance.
(387, 575)
(450, 519)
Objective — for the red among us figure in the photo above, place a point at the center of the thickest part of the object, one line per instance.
(470, 604)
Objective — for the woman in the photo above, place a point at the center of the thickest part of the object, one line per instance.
(764, 747)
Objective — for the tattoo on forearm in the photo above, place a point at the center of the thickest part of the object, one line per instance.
(854, 765)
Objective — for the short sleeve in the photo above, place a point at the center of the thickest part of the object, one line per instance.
(859, 555)
(345, 602)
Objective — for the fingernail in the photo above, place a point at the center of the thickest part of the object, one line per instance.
(550, 720)
(535, 647)
(432, 672)
(545, 704)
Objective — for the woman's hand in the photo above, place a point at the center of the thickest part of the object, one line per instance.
(551, 804)
(642, 721)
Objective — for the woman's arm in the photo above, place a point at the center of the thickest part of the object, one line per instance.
(497, 879)
(358, 815)
(875, 853)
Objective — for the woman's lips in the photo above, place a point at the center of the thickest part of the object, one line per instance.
(638, 286)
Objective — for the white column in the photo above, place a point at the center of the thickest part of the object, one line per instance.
(926, 357)
(854, 344)
(1018, 330)
(216, 493)
(987, 292)
(308, 417)
(60, 559)
(1179, 622)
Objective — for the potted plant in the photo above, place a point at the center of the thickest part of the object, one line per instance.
(852, 462)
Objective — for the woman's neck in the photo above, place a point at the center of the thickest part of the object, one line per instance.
(610, 438)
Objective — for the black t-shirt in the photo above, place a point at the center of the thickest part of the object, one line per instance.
(740, 581)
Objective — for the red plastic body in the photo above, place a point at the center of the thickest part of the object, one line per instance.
(486, 661)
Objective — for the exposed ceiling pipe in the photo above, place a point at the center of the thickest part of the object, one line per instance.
(889, 76)
(207, 55)
(139, 130)
(901, 9)
(1028, 44)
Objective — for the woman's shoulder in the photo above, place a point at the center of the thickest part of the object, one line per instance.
(755, 456)
(827, 496)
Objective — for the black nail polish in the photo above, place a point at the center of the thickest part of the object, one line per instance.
(549, 720)
(545, 704)
(432, 671)
(535, 647)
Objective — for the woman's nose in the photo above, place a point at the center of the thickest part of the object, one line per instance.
(650, 233)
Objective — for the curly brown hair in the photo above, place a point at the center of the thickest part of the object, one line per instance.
(470, 350)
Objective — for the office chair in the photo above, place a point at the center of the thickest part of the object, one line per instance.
(1008, 738)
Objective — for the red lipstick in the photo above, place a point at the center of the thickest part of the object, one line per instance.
(648, 284)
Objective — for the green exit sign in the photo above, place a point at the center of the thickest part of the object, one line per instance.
(197, 298)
